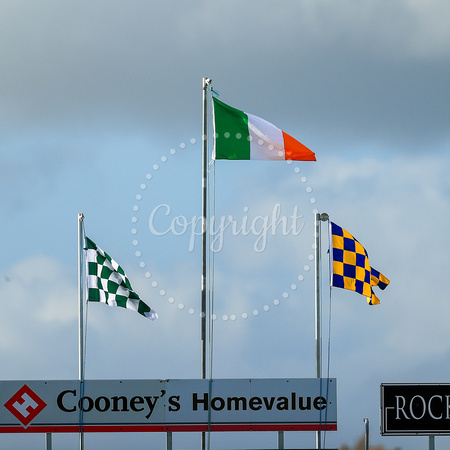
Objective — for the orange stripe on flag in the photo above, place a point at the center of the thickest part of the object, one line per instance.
(295, 150)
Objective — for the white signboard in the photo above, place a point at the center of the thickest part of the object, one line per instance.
(168, 405)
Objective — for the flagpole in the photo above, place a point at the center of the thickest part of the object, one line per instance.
(317, 295)
(80, 315)
(206, 83)
(318, 333)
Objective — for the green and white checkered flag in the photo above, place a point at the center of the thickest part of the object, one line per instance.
(108, 283)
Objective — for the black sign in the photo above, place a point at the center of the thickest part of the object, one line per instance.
(415, 409)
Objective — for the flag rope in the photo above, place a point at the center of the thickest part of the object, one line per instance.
(86, 303)
(82, 387)
(211, 282)
(328, 338)
(211, 266)
(328, 357)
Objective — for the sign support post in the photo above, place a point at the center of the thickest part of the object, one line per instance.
(366, 434)
(430, 442)
(280, 440)
(48, 441)
(169, 440)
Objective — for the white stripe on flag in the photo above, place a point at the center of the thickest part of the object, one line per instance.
(266, 140)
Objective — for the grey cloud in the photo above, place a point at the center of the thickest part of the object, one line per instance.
(375, 71)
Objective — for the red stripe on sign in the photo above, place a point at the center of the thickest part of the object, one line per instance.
(165, 428)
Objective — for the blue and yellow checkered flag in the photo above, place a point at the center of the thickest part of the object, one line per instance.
(350, 265)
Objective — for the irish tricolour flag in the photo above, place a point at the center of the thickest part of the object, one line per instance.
(240, 135)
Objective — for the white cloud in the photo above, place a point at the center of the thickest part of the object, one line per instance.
(38, 325)
(39, 289)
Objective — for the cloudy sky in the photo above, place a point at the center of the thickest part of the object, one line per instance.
(101, 113)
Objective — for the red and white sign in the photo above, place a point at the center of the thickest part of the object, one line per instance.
(25, 405)
(306, 404)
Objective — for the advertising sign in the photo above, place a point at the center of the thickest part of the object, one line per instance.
(415, 409)
(168, 405)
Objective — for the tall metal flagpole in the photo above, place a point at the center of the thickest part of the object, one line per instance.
(318, 334)
(80, 315)
(206, 84)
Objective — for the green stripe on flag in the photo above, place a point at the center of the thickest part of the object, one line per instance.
(231, 128)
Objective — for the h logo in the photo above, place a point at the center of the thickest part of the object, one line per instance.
(25, 405)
